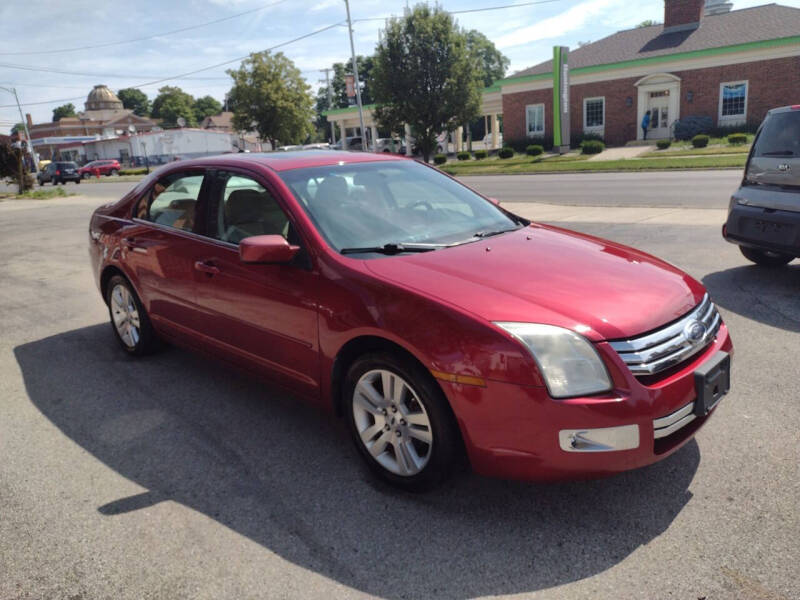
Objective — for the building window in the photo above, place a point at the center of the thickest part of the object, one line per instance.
(594, 113)
(534, 120)
(733, 101)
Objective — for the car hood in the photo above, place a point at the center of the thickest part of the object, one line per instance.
(543, 274)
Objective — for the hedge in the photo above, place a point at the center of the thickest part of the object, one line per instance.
(141, 171)
(481, 154)
(463, 156)
(440, 159)
(505, 152)
(592, 147)
(737, 139)
(534, 150)
(700, 140)
(663, 144)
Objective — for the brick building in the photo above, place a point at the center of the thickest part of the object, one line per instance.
(704, 61)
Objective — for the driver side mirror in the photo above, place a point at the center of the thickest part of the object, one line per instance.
(266, 249)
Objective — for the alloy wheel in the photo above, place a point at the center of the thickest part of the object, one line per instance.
(392, 423)
(125, 315)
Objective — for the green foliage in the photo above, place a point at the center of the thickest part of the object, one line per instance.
(492, 62)
(136, 171)
(10, 159)
(534, 150)
(505, 152)
(65, 110)
(18, 127)
(425, 75)
(648, 23)
(663, 144)
(206, 107)
(136, 100)
(440, 159)
(592, 147)
(700, 140)
(172, 103)
(269, 94)
(481, 154)
(737, 139)
(463, 156)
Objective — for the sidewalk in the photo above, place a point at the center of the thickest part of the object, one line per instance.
(623, 152)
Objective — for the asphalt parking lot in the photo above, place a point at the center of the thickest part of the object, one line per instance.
(177, 477)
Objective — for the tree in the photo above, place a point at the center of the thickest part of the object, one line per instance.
(172, 103)
(269, 94)
(425, 76)
(647, 23)
(206, 107)
(65, 110)
(493, 62)
(136, 100)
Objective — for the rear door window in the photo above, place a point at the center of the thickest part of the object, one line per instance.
(173, 201)
(780, 136)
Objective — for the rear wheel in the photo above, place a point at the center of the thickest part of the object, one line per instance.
(400, 421)
(766, 258)
(129, 319)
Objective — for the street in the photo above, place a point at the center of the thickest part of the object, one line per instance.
(175, 476)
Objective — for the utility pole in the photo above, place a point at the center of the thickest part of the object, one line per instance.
(355, 74)
(28, 141)
(330, 100)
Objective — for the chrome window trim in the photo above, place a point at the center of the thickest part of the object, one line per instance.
(669, 346)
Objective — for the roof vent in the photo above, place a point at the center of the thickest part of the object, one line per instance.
(718, 7)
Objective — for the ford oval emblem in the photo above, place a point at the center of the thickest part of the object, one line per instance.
(694, 331)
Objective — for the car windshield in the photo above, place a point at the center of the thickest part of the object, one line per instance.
(780, 136)
(390, 204)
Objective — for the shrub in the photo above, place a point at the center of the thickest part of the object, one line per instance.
(505, 152)
(481, 154)
(141, 171)
(592, 147)
(688, 127)
(534, 150)
(737, 139)
(663, 144)
(440, 159)
(521, 144)
(463, 156)
(700, 140)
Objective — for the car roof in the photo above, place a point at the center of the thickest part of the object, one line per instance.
(784, 109)
(285, 161)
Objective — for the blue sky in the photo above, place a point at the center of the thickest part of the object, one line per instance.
(525, 34)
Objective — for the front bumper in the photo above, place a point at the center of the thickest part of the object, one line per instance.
(516, 432)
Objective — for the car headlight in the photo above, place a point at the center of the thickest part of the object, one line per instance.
(568, 362)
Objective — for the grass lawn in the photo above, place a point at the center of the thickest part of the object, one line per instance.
(580, 164)
(38, 194)
(691, 151)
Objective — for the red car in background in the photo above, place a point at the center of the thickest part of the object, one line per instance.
(433, 320)
(101, 167)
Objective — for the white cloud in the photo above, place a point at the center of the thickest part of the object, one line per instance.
(574, 19)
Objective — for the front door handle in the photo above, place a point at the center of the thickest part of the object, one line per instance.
(205, 267)
(132, 244)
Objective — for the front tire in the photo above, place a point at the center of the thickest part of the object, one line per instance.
(400, 421)
(129, 319)
(766, 258)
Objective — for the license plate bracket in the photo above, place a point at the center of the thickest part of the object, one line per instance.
(712, 381)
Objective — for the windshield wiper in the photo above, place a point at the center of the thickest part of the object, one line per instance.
(779, 153)
(393, 248)
(485, 234)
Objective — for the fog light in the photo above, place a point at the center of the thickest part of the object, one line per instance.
(607, 439)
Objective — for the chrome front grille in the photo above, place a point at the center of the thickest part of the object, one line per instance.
(655, 352)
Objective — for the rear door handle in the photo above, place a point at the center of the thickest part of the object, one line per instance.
(205, 267)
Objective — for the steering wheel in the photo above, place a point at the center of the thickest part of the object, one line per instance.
(424, 203)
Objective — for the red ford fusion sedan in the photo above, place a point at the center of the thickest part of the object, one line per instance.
(430, 318)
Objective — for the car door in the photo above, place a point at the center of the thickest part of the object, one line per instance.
(161, 249)
(265, 314)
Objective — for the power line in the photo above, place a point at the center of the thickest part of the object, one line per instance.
(472, 10)
(84, 74)
(182, 75)
(149, 37)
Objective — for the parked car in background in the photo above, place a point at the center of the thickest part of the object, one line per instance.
(764, 213)
(103, 167)
(433, 320)
(317, 146)
(43, 164)
(353, 143)
(59, 172)
(291, 148)
(390, 145)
